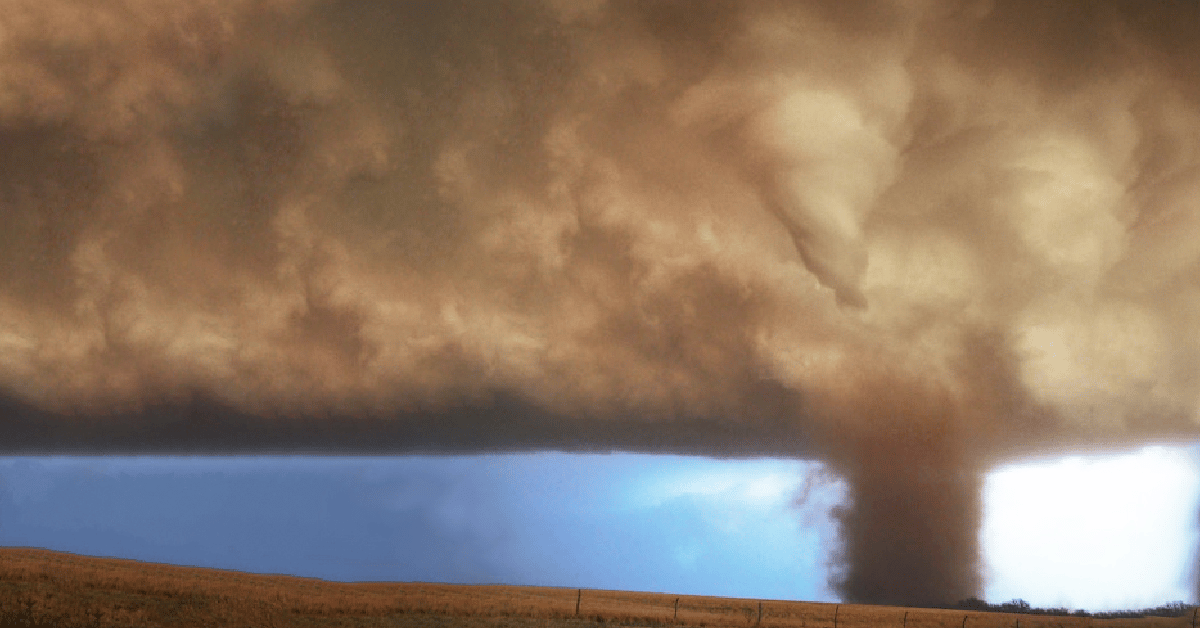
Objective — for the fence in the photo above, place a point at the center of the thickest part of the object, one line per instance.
(661, 609)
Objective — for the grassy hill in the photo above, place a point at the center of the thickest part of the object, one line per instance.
(45, 588)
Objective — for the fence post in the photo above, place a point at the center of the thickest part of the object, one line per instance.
(905, 624)
(759, 622)
(1194, 616)
(964, 621)
(578, 599)
(676, 617)
(835, 614)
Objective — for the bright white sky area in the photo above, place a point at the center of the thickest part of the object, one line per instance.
(1095, 532)
(1092, 532)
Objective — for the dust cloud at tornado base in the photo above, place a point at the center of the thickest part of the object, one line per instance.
(910, 239)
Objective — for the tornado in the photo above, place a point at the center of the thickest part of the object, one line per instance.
(912, 240)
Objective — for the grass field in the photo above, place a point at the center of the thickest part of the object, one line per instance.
(44, 588)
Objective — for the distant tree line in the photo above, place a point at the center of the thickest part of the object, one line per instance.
(1170, 609)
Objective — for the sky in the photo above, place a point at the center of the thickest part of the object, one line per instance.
(759, 529)
(915, 241)
(1102, 532)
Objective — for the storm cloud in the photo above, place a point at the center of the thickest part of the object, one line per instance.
(911, 239)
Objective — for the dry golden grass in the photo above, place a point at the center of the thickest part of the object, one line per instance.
(60, 589)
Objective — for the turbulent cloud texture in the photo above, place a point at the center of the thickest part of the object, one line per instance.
(910, 238)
